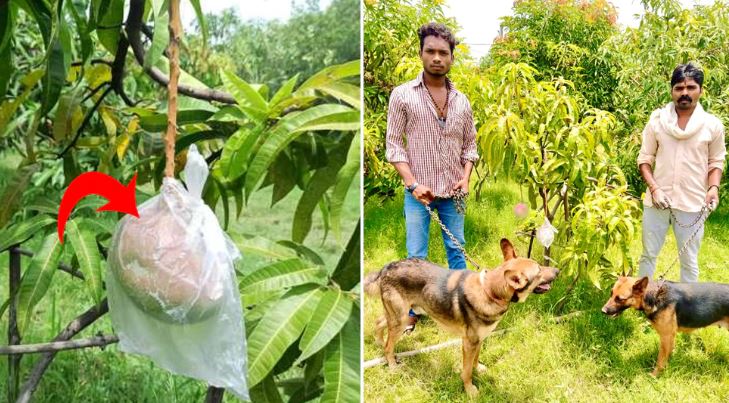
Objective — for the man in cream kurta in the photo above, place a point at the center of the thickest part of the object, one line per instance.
(681, 160)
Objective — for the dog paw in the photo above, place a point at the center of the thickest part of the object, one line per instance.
(654, 374)
(471, 391)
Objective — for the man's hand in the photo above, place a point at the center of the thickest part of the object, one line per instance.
(660, 199)
(423, 194)
(712, 198)
(461, 184)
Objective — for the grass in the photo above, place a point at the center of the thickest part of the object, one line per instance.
(94, 375)
(587, 358)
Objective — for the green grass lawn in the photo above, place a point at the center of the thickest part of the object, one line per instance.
(93, 375)
(587, 358)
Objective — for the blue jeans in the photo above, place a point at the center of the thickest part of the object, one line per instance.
(417, 225)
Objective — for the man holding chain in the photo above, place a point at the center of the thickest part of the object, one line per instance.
(436, 121)
(681, 160)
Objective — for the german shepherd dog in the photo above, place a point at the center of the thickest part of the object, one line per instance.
(671, 308)
(467, 303)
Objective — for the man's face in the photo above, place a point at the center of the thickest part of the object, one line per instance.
(686, 94)
(436, 56)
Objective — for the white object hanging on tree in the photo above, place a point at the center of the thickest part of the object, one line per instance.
(545, 233)
(172, 289)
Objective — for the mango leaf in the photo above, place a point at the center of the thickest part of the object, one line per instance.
(68, 115)
(161, 37)
(286, 273)
(249, 100)
(343, 183)
(329, 74)
(284, 92)
(6, 72)
(37, 278)
(41, 12)
(343, 91)
(158, 122)
(266, 391)
(303, 251)
(24, 230)
(281, 135)
(346, 274)
(8, 108)
(344, 121)
(201, 20)
(7, 23)
(56, 67)
(278, 329)
(330, 316)
(109, 15)
(89, 258)
(342, 364)
(87, 47)
(258, 245)
(236, 151)
(14, 190)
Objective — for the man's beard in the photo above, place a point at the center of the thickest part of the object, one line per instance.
(437, 73)
(681, 105)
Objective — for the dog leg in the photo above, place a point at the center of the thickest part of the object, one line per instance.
(666, 327)
(396, 314)
(477, 366)
(380, 327)
(470, 355)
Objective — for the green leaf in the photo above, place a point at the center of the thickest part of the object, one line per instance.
(109, 15)
(87, 46)
(280, 136)
(37, 278)
(278, 329)
(250, 100)
(6, 72)
(67, 121)
(322, 180)
(41, 12)
(236, 152)
(286, 273)
(7, 23)
(22, 231)
(56, 68)
(343, 183)
(14, 190)
(343, 91)
(158, 121)
(284, 92)
(330, 316)
(201, 20)
(261, 246)
(161, 37)
(329, 74)
(342, 365)
(89, 258)
(345, 121)
(266, 391)
(303, 251)
(346, 274)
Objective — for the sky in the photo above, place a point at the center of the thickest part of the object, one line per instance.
(247, 10)
(479, 20)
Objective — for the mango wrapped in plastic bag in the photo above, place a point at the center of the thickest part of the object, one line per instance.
(173, 294)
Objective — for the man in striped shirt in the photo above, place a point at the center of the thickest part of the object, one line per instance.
(436, 121)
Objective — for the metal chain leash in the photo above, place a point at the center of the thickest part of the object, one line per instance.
(459, 198)
(701, 219)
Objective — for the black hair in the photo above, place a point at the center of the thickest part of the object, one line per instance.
(439, 31)
(684, 71)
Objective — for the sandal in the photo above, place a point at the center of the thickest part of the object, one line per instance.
(411, 324)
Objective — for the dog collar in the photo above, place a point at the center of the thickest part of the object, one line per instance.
(482, 280)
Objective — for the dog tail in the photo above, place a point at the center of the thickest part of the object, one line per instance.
(372, 283)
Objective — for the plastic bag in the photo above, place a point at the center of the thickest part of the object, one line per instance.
(545, 233)
(171, 285)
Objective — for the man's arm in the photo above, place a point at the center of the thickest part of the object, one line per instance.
(717, 154)
(395, 148)
(469, 152)
(646, 158)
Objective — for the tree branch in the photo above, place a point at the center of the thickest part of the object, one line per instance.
(61, 266)
(133, 29)
(73, 328)
(214, 395)
(86, 121)
(96, 341)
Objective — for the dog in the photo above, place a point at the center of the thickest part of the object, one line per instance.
(671, 308)
(467, 303)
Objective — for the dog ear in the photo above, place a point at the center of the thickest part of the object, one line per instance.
(640, 286)
(507, 249)
(516, 279)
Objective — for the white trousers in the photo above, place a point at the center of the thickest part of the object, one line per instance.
(655, 227)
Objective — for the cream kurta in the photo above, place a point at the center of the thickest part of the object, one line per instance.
(682, 159)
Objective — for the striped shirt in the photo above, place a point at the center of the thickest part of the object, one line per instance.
(436, 155)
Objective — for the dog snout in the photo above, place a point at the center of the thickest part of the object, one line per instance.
(606, 310)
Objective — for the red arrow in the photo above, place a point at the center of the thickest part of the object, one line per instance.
(121, 198)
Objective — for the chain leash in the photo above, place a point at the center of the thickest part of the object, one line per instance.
(459, 198)
(701, 219)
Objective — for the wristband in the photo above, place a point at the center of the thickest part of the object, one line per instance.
(412, 187)
(713, 186)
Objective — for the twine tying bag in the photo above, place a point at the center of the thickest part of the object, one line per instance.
(171, 285)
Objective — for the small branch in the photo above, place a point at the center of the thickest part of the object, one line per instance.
(133, 29)
(96, 341)
(13, 332)
(94, 61)
(61, 266)
(95, 90)
(86, 121)
(73, 328)
(214, 395)
(174, 50)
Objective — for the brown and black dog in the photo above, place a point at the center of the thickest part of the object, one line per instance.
(671, 307)
(467, 303)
